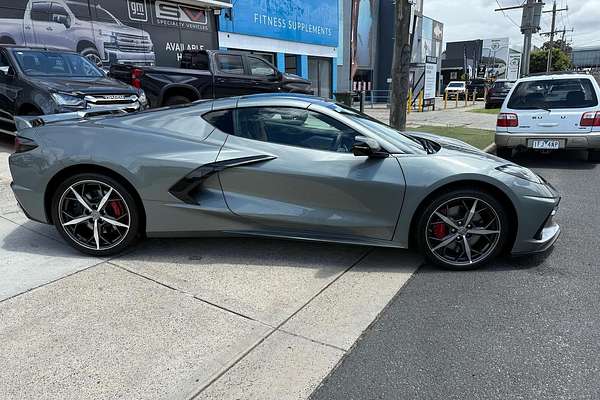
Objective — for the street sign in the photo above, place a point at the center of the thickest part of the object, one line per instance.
(430, 82)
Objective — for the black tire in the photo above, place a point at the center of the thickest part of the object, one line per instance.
(125, 240)
(92, 54)
(594, 155)
(484, 200)
(504, 152)
(176, 100)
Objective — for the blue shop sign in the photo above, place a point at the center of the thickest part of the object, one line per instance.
(307, 21)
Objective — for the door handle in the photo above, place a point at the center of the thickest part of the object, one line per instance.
(28, 28)
(49, 28)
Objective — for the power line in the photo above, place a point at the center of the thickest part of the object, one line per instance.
(508, 16)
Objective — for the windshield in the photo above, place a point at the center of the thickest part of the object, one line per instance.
(456, 84)
(503, 85)
(553, 94)
(43, 63)
(397, 138)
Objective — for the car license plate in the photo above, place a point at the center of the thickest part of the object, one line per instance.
(546, 144)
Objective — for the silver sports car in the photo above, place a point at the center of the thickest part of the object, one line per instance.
(282, 166)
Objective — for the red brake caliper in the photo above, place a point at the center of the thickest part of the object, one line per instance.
(439, 230)
(117, 209)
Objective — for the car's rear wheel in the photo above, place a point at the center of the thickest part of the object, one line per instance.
(95, 214)
(175, 100)
(463, 229)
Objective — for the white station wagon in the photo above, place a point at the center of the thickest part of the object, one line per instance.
(551, 112)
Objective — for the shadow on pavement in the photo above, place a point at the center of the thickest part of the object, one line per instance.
(574, 160)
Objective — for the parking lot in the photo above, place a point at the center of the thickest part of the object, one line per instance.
(212, 318)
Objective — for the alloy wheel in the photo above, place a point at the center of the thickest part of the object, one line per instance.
(463, 231)
(94, 215)
(95, 59)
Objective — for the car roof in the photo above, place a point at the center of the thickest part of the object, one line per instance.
(37, 47)
(296, 97)
(554, 77)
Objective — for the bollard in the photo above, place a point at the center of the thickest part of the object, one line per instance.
(456, 99)
(445, 100)
(474, 96)
(421, 93)
(466, 98)
(409, 105)
(362, 101)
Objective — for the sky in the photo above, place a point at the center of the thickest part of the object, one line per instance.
(476, 19)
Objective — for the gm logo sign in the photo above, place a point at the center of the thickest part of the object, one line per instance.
(137, 10)
(180, 15)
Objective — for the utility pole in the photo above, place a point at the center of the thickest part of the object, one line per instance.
(530, 24)
(552, 32)
(400, 65)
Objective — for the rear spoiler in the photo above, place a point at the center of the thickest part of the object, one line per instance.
(26, 122)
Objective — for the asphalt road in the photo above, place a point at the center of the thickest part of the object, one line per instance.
(523, 328)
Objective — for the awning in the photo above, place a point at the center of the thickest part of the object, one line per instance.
(208, 3)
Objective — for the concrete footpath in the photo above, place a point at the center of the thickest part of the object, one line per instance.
(181, 319)
(461, 116)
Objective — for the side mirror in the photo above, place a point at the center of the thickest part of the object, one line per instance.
(365, 146)
(63, 19)
(7, 72)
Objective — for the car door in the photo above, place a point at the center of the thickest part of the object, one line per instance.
(60, 24)
(265, 78)
(298, 176)
(230, 76)
(40, 20)
(9, 90)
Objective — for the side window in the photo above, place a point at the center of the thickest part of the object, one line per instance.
(221, 119)
(40, 12)
(230, 63)
(260, 68)
(294, 127)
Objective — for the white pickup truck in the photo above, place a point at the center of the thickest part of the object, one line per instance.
(551, 112)
(68, 24)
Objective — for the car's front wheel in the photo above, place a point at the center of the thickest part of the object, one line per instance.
(463, 229)
(95, 214)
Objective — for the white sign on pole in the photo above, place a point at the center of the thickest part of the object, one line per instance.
(430, 81)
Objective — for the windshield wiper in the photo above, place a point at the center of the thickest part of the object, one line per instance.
(426, 144)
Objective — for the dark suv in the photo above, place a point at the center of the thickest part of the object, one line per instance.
(37, 81)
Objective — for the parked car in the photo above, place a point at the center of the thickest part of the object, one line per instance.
(36, 81)
(208, 74)
(456, 88)
(478, 86)
(497, 93)
(276, 165)
(100, 37)
(551, 112)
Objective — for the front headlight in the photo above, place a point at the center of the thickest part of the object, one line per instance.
(67, 100)
(520, 172)
(142, 98)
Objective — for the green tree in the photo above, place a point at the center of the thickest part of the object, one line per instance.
(539, 59)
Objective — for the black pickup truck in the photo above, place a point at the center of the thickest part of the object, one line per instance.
(208, 74)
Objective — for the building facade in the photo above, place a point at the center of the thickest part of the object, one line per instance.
(299, 36)
(114, 31)
(586, 58)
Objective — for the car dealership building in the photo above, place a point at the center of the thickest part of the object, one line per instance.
(114, 31)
